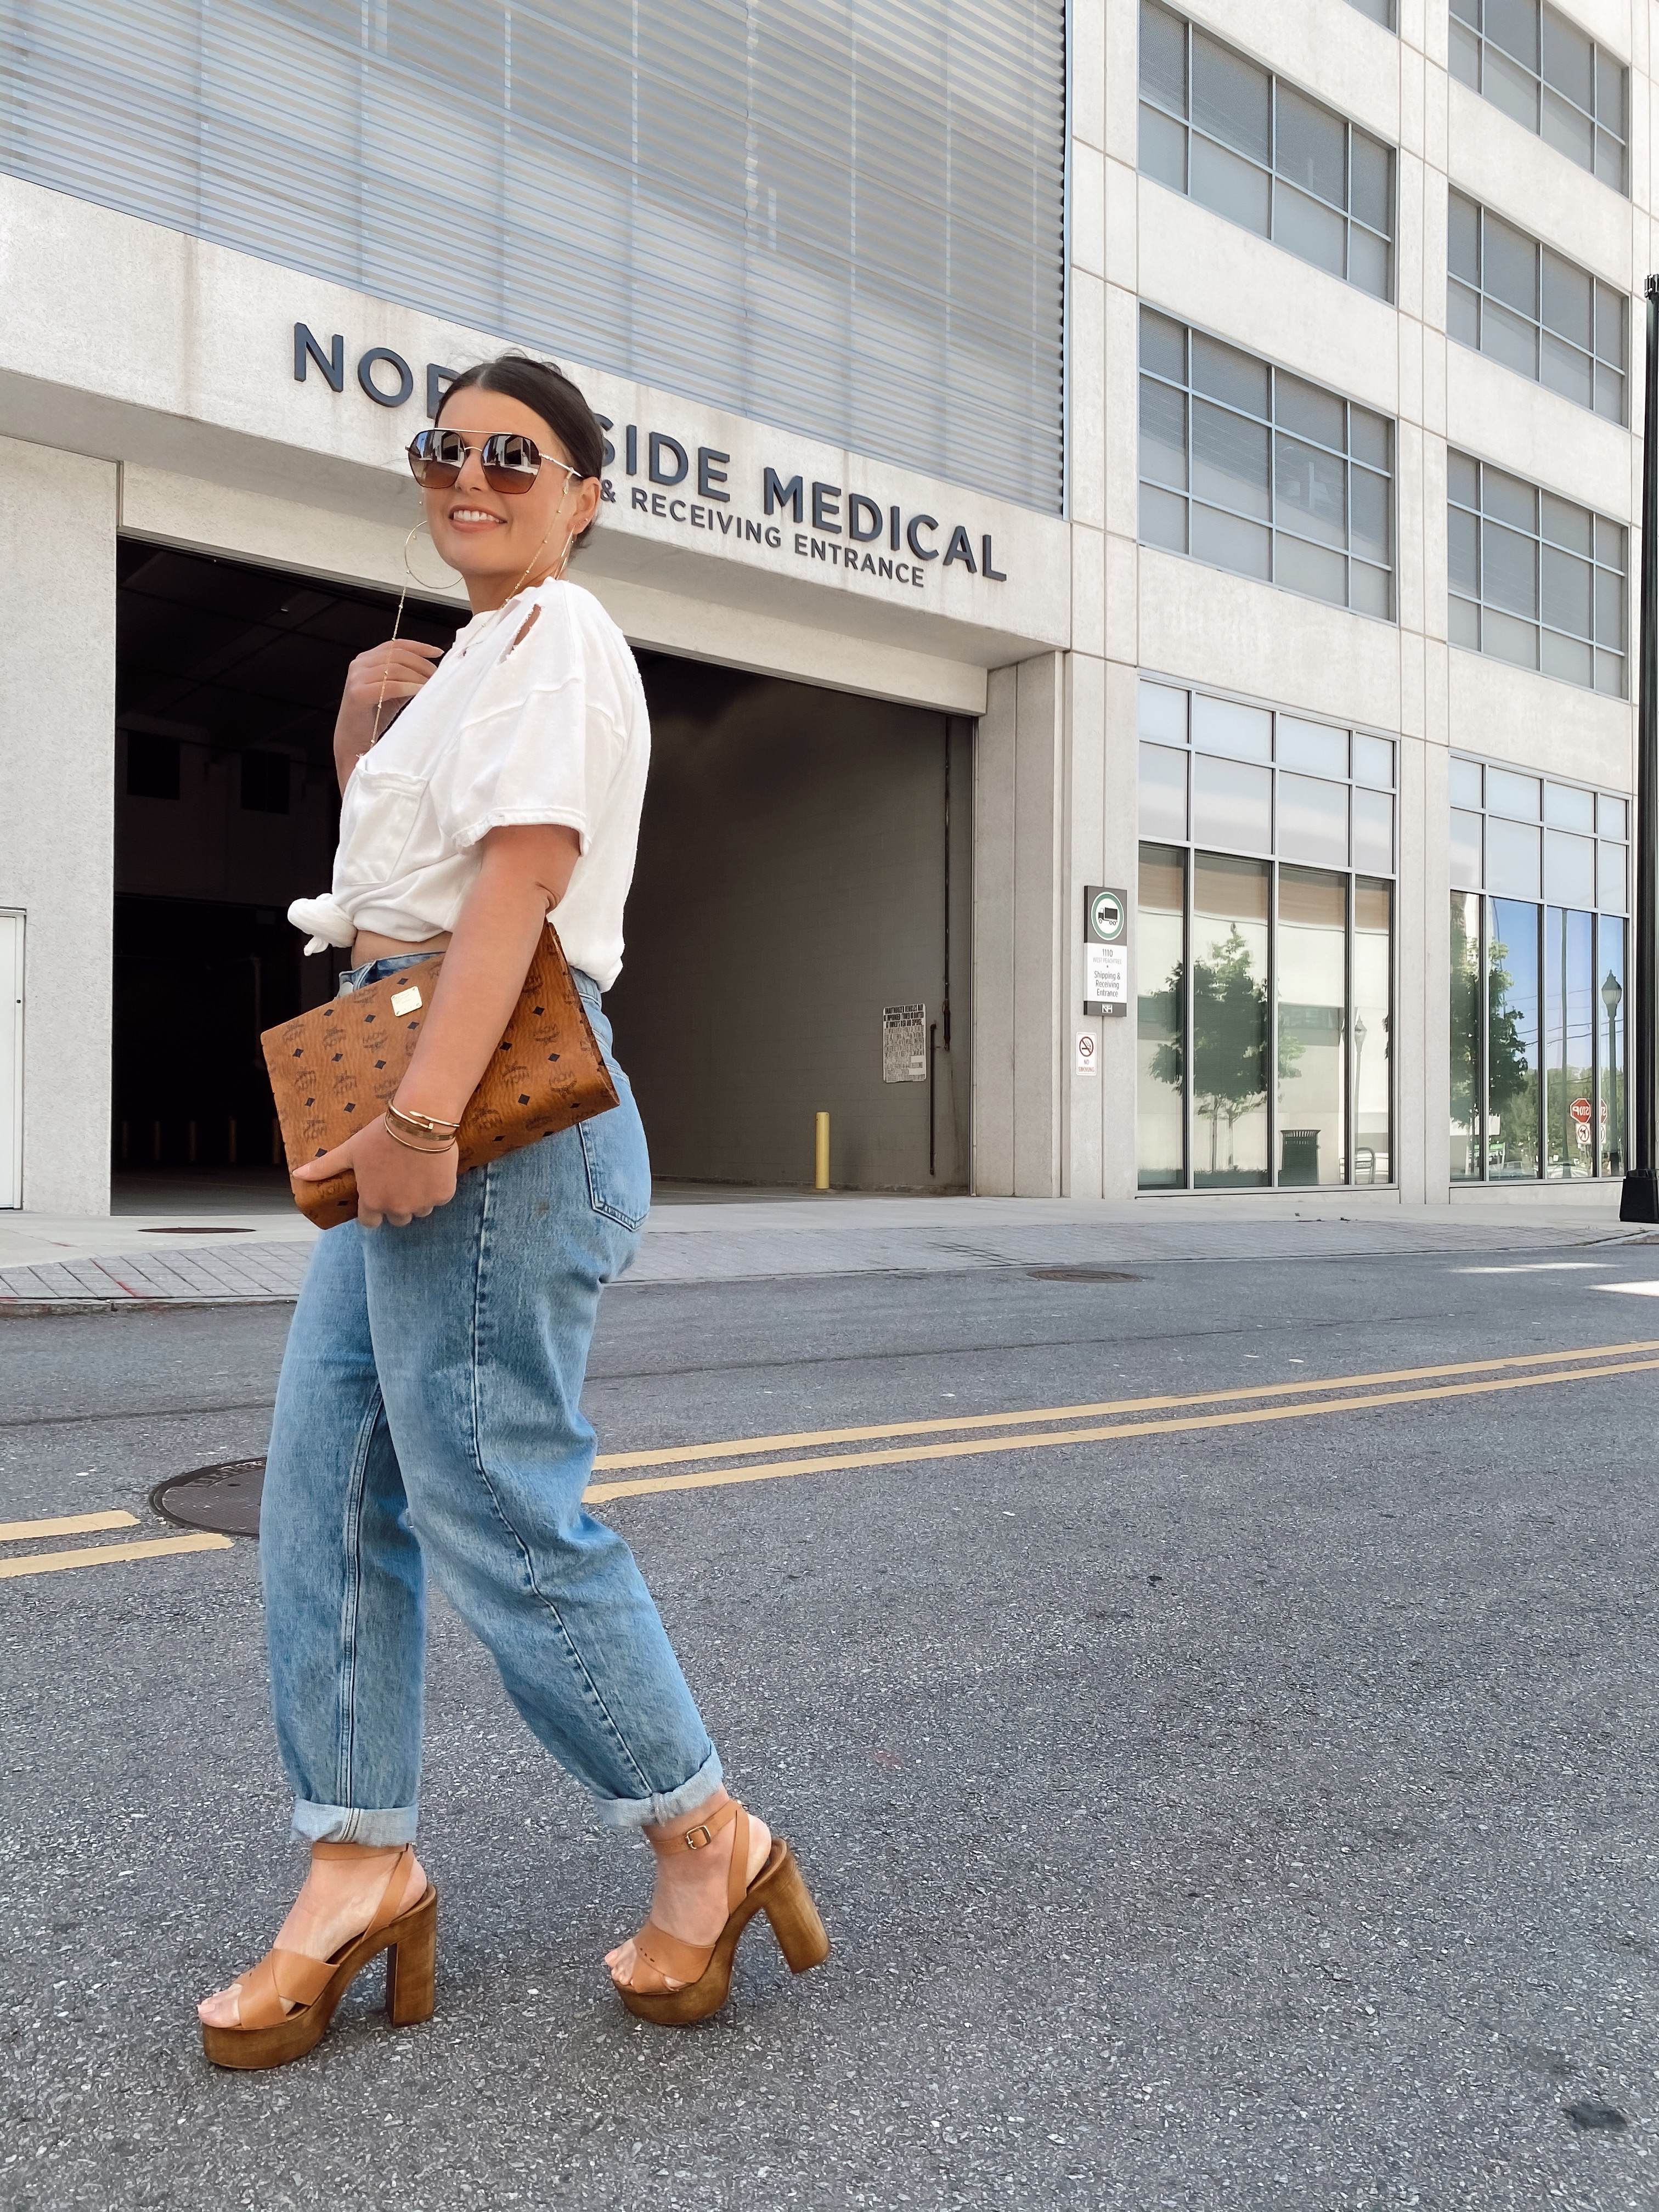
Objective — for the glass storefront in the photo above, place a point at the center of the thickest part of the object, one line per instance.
(1537, 980)
(1265, 971)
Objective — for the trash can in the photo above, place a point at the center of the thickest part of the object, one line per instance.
(1300, 1160)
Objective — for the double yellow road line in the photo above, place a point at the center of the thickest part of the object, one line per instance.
(962, 1435)
(93, 1555)
(966, 1436)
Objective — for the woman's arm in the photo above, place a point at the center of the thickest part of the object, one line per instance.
(524, 871)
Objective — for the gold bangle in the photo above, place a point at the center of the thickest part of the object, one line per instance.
(416, 1126)
(408, 1143)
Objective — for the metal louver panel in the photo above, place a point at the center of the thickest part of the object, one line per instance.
(843, 218)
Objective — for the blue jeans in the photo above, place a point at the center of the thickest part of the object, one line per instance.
(428, 1417)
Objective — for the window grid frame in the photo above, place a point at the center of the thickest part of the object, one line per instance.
(1150, 98)
(1624, 838)
(1190, 847)
(1467, 16)
(1188, 392)
(1539, 541)
(1477, 293)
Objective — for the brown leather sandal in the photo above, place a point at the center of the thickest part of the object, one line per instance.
(286, 2001)
(704, 1971)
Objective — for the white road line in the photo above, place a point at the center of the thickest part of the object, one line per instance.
(1630, 1290)
(1539, 1267)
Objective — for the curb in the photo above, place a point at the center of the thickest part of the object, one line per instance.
(43, 1309)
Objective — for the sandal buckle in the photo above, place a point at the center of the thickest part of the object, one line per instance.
(697, 1838)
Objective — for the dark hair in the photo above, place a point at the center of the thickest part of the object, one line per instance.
(544, 388)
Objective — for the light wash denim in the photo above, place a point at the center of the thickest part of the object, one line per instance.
(428, 1417)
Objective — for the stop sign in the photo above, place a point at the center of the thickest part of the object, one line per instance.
(1581, 1110)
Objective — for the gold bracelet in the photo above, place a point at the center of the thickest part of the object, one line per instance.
(408, 1143)
(416, 1126)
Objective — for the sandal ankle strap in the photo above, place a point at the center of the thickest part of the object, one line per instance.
(700, 1834)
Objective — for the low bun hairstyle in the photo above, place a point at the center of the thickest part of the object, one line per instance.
(544, 388)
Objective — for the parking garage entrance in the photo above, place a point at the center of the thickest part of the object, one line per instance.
(797, 937)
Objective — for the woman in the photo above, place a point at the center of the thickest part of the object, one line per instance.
(427, 1412)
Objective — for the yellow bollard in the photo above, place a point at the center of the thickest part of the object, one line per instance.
(821, 1165)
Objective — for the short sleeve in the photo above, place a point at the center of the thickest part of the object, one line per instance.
(538, 741)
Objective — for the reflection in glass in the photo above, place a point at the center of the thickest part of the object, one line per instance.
(1160, 1056)
(1610, 1017)
(1229, 1021)
(1569, 1043)
(1373, 1055)
(1466, 1084)
(1232, 804)
(1311, 982)
(1512, 1040)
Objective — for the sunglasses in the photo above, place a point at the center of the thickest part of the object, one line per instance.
(511, 462)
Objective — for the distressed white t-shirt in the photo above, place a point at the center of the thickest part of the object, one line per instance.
(547, 723)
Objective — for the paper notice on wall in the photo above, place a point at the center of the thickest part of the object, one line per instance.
(904, 1044)
(1106, 978)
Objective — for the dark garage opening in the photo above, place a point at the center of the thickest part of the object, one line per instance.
(804, 868)
(228, 680)
(803, 865)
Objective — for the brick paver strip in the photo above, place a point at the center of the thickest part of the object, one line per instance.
(798, 1246)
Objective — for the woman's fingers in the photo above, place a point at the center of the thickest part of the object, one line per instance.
(332, 1163)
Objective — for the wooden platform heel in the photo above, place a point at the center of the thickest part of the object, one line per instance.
(705, 1973)
(286, 2002)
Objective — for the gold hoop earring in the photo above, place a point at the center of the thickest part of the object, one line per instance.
(409, 567)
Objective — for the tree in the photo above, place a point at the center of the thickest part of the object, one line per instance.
(1229, 1040)
(1511, 1081)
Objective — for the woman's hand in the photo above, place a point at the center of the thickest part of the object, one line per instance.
(386, 678)
(395, 1184)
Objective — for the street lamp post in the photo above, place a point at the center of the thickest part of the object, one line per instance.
(1639, 1200)
(1612, 998)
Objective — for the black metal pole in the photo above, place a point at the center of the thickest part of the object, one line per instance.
(1639, 1200)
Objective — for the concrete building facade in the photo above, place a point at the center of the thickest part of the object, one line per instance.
(1319, 657)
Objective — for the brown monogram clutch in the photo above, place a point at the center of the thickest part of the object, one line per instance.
(334, 1069)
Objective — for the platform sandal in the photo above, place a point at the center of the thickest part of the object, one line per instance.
(704, 1971)
(271, 2034)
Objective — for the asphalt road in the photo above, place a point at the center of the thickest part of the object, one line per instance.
(1257, 1816)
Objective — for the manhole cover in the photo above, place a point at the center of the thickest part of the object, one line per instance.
(225, 1498)
(1080, 1275)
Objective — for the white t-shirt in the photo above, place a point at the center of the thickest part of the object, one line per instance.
(516, 726)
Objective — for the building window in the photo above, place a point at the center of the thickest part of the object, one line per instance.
(1539, 874)
(1216, 126)
(152, 765)
(1535, 311)
(1249, 468)
(1264, 947)
(1533, 578)
(265, 782)
(1379, 11)
(1544, 71)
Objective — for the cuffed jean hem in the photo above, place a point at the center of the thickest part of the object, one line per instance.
(652, 1812)
(356, 1824)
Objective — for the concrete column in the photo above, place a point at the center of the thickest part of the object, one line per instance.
(1095, 803)
(57, 521)
(1120, 865)
(1018, 972)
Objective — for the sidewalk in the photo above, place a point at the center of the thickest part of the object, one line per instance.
(206, 1250)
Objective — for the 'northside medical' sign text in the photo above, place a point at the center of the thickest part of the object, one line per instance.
(816, 521)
